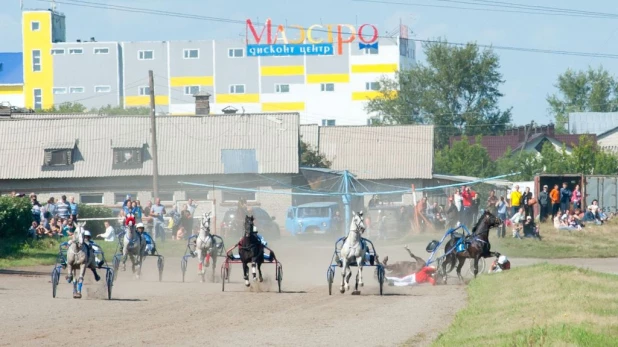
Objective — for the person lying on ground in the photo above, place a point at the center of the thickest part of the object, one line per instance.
(424, 275)
(403, 268)
(500, 264)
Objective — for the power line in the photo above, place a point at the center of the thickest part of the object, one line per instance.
(242, 22)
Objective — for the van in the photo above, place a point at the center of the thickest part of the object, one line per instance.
(313, 218)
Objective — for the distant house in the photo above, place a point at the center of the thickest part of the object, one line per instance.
(530, 139)
(602, 124)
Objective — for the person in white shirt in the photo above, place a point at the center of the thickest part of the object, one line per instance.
(109, 233)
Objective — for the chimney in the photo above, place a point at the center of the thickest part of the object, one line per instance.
(202, 104)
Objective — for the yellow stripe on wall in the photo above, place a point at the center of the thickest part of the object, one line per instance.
(374, 68)
(370, 94)
(329, 78)
(283, 70)
(231, 98)
(191, 81)
(283, 106)
(144, 100)
(11, 90)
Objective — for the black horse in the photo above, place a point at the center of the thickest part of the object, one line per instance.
(477, 246)
(251, 249)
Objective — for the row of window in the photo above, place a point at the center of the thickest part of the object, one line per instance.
(96, 50)
(194, 53)
(79, 90)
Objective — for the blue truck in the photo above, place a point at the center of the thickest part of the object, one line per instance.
(314, 218)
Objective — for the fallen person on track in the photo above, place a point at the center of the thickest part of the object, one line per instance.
(404, 268)
(410, 273)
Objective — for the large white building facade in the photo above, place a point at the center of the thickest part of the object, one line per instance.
(325, 87)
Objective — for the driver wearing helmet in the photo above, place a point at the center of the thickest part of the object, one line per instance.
(500, 264)
(92, 246)
(149, 244)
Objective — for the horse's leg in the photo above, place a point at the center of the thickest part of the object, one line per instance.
(259, 266)
(360, 261)
(347, 278)
(476, 265)
(80, 281)
(200, 261)
(245, 271)
(125, 254)
(70, 259)
(460, 264)
(344, 268)
(253, 270)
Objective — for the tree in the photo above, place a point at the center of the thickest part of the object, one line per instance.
(582, 91)
(554, 161)
(464, 159)
(528, 164)
(310, 157)
(457, 91)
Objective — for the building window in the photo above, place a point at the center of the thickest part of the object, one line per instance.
(166, 196)
(35, 26)
(36, 60)
(76, 51)
(235, 53)
(191, 53)
(282, 88)
(145, 55)
(57, 51)
(121, 197)
(102, 89)
(237, 89)
(144, 90)
(372, 86)
(327, 87)
(128, 156)
(197, 194)
(76, 90)
(370, 51)
(59, 90)
(91, 198)
(38, 99)
(230, 196)
(101, 51)
(328, 122)
(58, 157)
(192, 90)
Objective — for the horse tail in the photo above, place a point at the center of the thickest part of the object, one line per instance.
(450, 262)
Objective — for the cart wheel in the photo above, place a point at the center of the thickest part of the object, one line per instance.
(109, 281)
(482, 266)
(160, 265)
(381, 279)
(279, 276)
(183, 268)
(330, 277)
(223, 277)
(55, 277)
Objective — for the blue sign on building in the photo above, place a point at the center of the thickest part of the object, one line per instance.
(283, 50)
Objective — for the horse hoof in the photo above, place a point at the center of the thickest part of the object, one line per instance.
(247, 284)
(342, 290)
(362, 284)
(261, 280)
(77, 296)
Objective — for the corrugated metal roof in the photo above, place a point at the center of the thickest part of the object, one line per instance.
(380, 152)
(12, 71)
(310, 134)
(186, 145)
(128, 143)
(65, 144)
(592, 122)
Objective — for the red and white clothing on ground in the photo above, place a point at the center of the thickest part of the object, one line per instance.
(423, 276)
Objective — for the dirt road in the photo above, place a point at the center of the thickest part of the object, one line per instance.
(173, 313)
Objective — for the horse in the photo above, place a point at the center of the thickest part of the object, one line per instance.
(353, 249)
(206, 248)
(477, 245)
(251, 249)
(79, 257)
(133, 246)
(404, 268)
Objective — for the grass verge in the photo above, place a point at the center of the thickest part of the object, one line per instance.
(539, 305)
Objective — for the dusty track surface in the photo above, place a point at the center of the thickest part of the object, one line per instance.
(172, 313)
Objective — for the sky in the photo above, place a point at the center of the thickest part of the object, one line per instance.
(529, 77)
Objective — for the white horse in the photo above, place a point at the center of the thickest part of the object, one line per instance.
(133, 246)
(79, 257)
(353, 250)
(206, 249)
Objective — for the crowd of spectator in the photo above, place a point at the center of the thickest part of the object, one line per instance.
(53, 219)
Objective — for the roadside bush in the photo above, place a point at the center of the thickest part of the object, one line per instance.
(89, 211)
(15, 217)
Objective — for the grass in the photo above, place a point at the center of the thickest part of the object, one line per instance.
(539, 305)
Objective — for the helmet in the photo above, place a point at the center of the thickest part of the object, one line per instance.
(87, 233)
(502, 260)
(139, 225)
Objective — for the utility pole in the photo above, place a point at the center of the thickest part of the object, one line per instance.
(153, 133)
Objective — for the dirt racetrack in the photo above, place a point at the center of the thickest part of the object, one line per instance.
(172, 313)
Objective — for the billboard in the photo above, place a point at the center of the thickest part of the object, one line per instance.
(269, 43)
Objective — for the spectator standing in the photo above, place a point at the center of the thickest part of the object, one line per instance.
(554, 196)
(63, 208)
(492, 203)
(565, 198)
(191, 206)
(458, 202)
(51, 208)
(515, 200)
(36, 210)
(109, 234)
(467, 196)
(74, 208)
(525, 202)
(139, 211)
(32, 231)
(544, 204)
(501, 210)
(474, 208)
(148, 221)
(157, 212)
(576, 198)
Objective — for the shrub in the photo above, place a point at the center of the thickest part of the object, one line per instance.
(89, 211)
(15, 217)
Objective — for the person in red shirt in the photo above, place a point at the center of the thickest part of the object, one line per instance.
(467, 195)
(424, 275)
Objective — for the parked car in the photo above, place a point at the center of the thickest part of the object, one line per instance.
(265, 224)
(313, 218)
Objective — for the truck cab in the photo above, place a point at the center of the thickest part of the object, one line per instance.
(313, 218)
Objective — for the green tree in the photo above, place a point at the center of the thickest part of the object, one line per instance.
(90, 211)
(528, 164)
(457, 91)
(606, 163)
(464, 159)
(582, 91)
(554, 161)
(310, 157)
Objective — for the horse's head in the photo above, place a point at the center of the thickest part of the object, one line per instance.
(206, 222)
(249, 225)
(358, 224)
(486, 222)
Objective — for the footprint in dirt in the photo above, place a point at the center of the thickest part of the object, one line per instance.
(257, 287)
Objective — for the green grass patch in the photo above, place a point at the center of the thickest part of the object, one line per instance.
(539, 305)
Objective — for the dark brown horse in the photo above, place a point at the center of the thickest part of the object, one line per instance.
(251, 250)
(477, 246)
